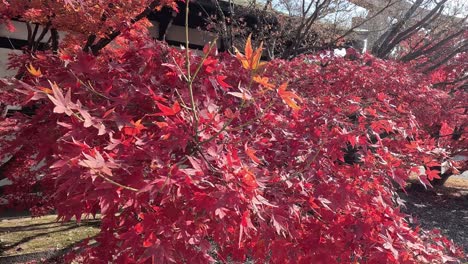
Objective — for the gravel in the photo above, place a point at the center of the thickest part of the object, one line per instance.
(443, 208)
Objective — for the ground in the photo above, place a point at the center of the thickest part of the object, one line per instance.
(24, 239)
(444, 208)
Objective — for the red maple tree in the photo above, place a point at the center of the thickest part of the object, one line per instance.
(195, 158)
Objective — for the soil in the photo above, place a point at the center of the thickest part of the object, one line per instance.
(444, 208)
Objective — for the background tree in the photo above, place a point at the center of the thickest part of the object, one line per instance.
(433, 30)
(429, 31)
(287, 28)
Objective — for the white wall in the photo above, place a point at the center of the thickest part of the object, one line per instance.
(21, 31)
(3, 62)
(175, 33)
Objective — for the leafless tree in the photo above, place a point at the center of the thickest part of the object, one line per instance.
(286, 27)
(435, 30)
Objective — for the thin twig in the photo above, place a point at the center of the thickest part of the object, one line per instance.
(117, 184)
(189, 74)
(112, 181)
(204, 58)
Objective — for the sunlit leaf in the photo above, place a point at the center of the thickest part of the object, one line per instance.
(33, 71)
(289, 97)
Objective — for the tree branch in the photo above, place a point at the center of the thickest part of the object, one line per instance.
(55, 40)
(226, 45)
(303, 29)
(423, 50)
(464, 78)
(89, 42)
(390, 34)
(42, 35)
(33, 36)
(101, 43)
(435, 12)
(28, 27)
(463, 47)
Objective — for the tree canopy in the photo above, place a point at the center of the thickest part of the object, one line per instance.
(197, 158)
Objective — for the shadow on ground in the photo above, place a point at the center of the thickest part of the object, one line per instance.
(444, 208)
(44, 240)
(45, 257)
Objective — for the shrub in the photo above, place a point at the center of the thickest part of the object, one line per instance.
(196, 158)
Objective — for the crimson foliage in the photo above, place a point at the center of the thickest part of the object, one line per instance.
(229, 158)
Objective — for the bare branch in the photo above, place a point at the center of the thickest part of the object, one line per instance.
(42, 35)
(390, 34)
(33, 36)
(462, 48)
(399, 37)
(425, 50)
(55, 40)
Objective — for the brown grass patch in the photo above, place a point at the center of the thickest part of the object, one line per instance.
(30, 235)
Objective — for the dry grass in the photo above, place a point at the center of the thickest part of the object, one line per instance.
(29, 235)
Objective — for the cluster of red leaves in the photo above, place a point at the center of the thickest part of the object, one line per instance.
(279, 162)
(255, 168)
(82, 17)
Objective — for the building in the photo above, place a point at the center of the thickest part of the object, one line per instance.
(167, 25)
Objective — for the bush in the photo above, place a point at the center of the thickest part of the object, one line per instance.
(196, 158)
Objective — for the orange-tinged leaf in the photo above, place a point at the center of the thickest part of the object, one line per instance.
(45, 90)
(256, 63)
(229, 114)
(165, 137)
(312, 203)
(289, 97)
(445, 130)
(251, 59)
(249, 179)
(138, 123)
(134, 129)
(33, 71)
(245, 217)
(64, 56)
(264, 82)
(371, 111)
(161, 124)
(150, 240)
(244, 61)
(169, 111)
(251, 153)
(248, 47)
(108, 112)
(138, 127)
